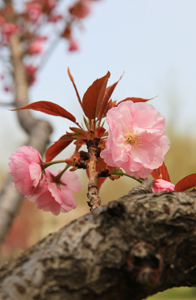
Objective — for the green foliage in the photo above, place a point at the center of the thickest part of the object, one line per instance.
(180, 159)
(183, 293)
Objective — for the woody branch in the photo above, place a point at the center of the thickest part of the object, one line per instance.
(92, 194)
(132, 248)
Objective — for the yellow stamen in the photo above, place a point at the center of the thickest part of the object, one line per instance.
(132, 138)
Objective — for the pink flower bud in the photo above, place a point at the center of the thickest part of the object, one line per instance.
(161, 185)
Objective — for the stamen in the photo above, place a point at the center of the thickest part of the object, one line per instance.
(132, 139)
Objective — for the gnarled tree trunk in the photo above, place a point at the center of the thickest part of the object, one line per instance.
(129, 249)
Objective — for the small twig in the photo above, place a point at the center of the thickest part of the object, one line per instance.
(92, 194)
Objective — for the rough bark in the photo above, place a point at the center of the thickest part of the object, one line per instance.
(38, 131)
(129, 249)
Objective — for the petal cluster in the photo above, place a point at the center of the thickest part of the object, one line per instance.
(26, 170)
(161, 185)
(57, 197)
(136, 141)
(43, 187)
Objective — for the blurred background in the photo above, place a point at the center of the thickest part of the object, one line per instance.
(152, 43)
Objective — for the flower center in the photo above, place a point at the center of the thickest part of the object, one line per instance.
(132, 138)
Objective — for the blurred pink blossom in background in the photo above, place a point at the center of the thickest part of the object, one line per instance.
(73, 45)
(35, 47)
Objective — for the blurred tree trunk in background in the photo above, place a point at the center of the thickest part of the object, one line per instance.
(38, 130)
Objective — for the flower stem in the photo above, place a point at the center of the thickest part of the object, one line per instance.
(58, 177)
(140, 180)
(47, 164)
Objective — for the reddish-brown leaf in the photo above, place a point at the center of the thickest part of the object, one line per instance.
(92, 98)
(161, 173)
(99, 131)
(49, 108)
(101, 94)
(76, 90)
(110, 105)
(186, 183)
(134, 99)
(58, 146)
(108, 92)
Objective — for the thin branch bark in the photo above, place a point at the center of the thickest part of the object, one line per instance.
(129, 249)
(93, 192)
(38, 131)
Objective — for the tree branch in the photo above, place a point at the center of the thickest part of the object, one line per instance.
(129, 249)
(38, 131)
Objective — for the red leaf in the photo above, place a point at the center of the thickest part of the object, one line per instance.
(135, 99)
(186, 183)
(49, 108)
(58, 146)
(161, 173)
(93, 97)
(99, 131)
(110, 105)
(108, 92)
(72, 80)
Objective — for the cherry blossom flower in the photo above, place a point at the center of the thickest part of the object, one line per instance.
(57, 196)
(26, 170)
(31, 70)
(34, 11)
(7, 29)
(136, 140)
(73, 45)
(35, 47)
(81, 9)
(161, 185)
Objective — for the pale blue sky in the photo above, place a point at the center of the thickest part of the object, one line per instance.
(152, 41)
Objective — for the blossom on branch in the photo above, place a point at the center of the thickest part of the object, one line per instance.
(35, 47)
(25, 167)
(81, 9)
(161, 185)
(34, 10)
(136, 140)
(31, 70)
(73, 45)
(56, 195)
(7, 29)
